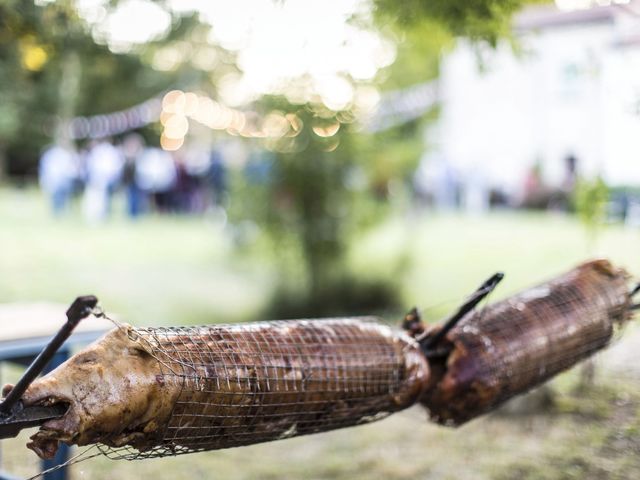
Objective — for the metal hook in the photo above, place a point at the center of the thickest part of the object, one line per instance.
(476, 297)
(79, 309)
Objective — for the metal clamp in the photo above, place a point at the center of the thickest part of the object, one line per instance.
(13, 416)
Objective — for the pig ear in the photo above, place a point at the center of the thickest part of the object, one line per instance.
(136, 345)
(139, 351)
(140, 348)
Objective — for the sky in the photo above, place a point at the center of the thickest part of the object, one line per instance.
(277, 43)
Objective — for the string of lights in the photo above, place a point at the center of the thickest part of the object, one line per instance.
(176, 108)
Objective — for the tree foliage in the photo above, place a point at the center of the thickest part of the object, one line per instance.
(323, 184)
(478, 20)
(322, 190)
(54, 69)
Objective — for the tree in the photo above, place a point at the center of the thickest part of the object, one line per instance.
(327, 176)
(323, 188)
(478, 20)
(53, 69)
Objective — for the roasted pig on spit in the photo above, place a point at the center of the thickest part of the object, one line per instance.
(203, 388)
(147, 392)
(516, 344)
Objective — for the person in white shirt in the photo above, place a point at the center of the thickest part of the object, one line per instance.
(104, 165)
(58, 171)
(156, 175)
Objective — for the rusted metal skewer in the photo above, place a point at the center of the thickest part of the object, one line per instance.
(79, 309)
(476, 297)
(634, 292)
(221, 386)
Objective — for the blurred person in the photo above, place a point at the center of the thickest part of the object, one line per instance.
(535, 194)
(58, 172)
(197, 165)
(188, 185)
(533, 181)
(562, 198)
(475, 194)
(132, 148)
(436, 182)
(570, 173)
(217, 178)
(632, 217)
(104, 165)
(156, 175)
(182, 188)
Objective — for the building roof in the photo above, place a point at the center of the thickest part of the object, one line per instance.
(549, 16)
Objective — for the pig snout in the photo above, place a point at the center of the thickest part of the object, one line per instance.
(109, 387)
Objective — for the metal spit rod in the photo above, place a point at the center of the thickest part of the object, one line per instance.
(79, 309)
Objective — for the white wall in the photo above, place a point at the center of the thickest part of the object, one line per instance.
(571, 90)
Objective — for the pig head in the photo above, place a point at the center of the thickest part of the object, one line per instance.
(115, 393)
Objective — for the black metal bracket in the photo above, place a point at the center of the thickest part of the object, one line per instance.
(430, 344)
(11, 409)
(21, 418)
(633, 293)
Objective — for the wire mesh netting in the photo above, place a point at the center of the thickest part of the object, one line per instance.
(512, 346)
(233, 385)
(193, 389)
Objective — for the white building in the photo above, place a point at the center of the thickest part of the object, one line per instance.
(573, 88)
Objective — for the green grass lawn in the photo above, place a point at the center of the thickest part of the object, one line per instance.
(158, 270)
(449, 256)
(186, 271)
(164, 270)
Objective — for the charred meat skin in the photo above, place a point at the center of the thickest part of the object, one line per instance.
(145, 392)
(516, 344)
(178, 390)
(262, 382)
(111, 392)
